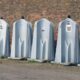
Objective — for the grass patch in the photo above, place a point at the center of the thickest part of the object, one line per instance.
(32, 61)
(3, 57)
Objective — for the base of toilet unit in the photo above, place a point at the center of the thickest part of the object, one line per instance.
(53, 62)
(16, 58)
(78, 65)
(65, 64)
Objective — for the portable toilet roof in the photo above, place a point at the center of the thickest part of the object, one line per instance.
(4, 38)
(21, 39)
(67, 50)
(43, 41)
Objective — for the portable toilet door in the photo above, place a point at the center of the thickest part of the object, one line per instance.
(43, 41)
(4, 38)
(21, 39)
(67, 51)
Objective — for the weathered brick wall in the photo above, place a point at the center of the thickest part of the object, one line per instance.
(54, 10)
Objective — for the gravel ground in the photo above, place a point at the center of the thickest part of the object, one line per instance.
(23, 70)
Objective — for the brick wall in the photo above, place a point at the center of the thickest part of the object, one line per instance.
(54, 10)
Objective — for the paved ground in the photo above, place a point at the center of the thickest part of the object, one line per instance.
(23, 70)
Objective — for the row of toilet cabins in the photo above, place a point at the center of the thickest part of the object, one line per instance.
(39, 45)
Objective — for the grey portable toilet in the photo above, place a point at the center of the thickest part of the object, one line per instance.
(43, 41)
(67, 51)
(4, 38)
(21, 39)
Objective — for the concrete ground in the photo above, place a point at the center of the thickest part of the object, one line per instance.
(23, 70)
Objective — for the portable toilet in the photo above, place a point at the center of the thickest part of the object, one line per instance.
(67, 51)
(4, 38)
(21, 39)
(43, 41)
